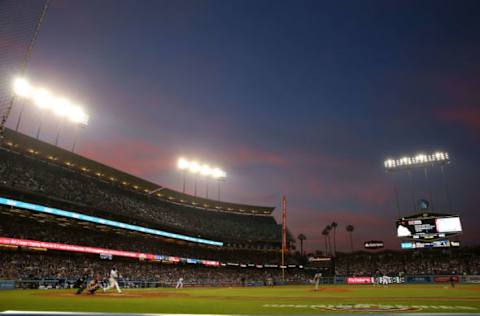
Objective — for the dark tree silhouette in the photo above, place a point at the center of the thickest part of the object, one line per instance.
(350, 230)
(325, 233)
(301, 237)
(329, 229)
(334, 226)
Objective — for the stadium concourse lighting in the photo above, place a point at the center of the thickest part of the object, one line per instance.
(196, 168)
(45, 100)
(420, 160)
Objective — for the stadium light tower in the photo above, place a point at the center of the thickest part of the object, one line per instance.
(48, 103)
(419, 161)
(196, 168)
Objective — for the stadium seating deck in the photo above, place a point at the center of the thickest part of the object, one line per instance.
(27, 173)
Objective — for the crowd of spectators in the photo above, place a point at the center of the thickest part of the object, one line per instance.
(421, 262)
(23, 225)
(51, 179)
(62, 269)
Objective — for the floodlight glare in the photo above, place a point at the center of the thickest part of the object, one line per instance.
(218, 173)
(206, 170)
(42, 98)
(22, 88)
(62, 107)
(183, 164)
(194, 167)
(420, 160)
(202, 169)
(76, 114)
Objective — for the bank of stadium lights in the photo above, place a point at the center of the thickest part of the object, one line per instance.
(202, 169)
(42, 98)
(420, 160)
(205, 170)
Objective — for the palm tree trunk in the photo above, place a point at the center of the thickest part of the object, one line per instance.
(334, 243)
(351, 242)
(301, 247)
(329, 245)
(326, 246)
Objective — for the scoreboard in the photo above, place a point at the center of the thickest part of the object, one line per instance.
(428, 226)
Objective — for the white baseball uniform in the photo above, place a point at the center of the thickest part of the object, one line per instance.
(179, 283)
(113, 281)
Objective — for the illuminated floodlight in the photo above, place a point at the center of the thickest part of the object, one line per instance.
(206, 170)
(202, 169)
(61, 107)
(183, 164)
(42, 98)
(77, 115)
(194, 167)
(218, 173)
(419, 160)
(45, 100)
(22, 88)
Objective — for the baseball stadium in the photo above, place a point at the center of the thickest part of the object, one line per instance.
(79, 235)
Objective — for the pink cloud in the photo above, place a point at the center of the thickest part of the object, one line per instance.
(247, 155)
(468, 117)
(368, 190)
(130, 155)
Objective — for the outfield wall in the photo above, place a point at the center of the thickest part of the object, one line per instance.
(53, 283)
(409, 279)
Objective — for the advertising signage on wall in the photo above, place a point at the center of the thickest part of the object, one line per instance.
(104, 253)
(373, 244)
(432, 244)
(359, 280)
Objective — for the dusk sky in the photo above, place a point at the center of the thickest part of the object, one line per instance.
(303, 98)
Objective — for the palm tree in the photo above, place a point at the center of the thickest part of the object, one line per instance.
(329, 229)
(325, 234)
(301, 237)
(334, 225)
(350, 229)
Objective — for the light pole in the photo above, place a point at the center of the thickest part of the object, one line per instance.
(59, 127)
(42, 117)
(195, 185)
(19, 117)
(219, 181)
(206, 187)
(184, 181)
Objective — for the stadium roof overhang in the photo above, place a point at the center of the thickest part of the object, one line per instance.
(44, 151)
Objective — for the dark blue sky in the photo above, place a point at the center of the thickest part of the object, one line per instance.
(305, 98)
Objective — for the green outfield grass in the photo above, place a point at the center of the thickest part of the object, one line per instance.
(260, 300)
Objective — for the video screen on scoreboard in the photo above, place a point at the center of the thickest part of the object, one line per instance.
(430, 227)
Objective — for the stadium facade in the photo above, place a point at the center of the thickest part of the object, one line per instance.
(68, 206)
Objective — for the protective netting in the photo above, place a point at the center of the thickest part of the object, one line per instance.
(19, 25)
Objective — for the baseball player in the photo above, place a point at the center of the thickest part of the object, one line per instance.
(94, 285)
(81, 283)
(316, 279)
(113, 281)
(179, 283)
